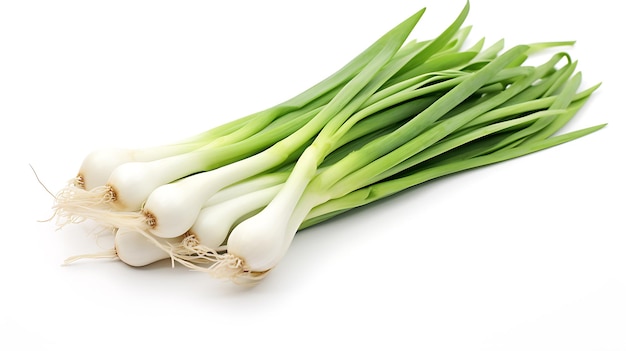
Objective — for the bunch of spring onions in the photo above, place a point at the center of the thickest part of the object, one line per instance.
(229, 201)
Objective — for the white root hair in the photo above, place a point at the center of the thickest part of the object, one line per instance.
(218, 263)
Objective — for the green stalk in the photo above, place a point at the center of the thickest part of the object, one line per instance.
(438, 43)
(384, 189)
(506, 110)
(418, 124)
(257, 121)
(537, 130)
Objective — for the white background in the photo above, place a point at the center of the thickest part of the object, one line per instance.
(525, 255)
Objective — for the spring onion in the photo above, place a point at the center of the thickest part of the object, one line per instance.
(230, 200)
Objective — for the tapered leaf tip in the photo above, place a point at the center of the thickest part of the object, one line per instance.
(415, 18)
(406, 27)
